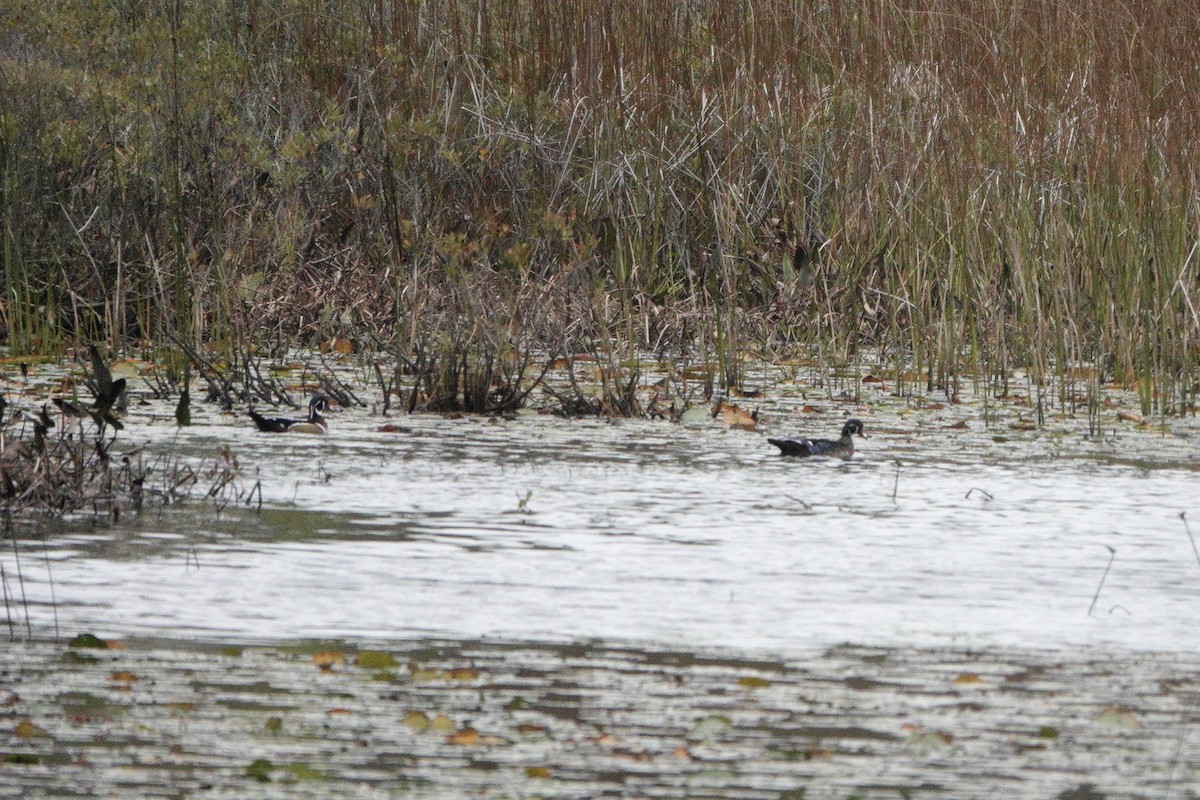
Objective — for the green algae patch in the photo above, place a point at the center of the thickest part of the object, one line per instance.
(260, 769)
(87, 640)
(303, 772)
(21, 759)
(376, 659)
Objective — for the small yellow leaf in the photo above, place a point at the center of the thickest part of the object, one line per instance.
(753, 682)
(603, 373)
(27, 730)
(737, 417)
(968, 679)
(465, 737)
(328, 659)
(375, 659)
(417, 720)
(1118, 717)
(540, 773)
(123, 677)
(441, 723)
(129, 368)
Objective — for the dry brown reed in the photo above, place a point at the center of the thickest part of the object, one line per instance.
(966, 188)
(53, 465)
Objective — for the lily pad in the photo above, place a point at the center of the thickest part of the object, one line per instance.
(709, 726)
(417, 720)
(753, 682)
(88, 640)
(1118, 717)
(303, 772)
(376, 659)
(260, 770)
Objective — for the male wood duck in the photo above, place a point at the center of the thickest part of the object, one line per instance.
(314, 424)
(837, 448)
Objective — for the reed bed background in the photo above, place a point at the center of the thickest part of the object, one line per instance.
(964, 188)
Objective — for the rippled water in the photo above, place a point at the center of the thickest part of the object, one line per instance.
(677, 535)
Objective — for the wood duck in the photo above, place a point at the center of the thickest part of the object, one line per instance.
(837, 448)
(314, 424)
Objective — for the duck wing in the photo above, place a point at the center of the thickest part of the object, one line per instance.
(794, 447)
(818, 447)
(271, 424)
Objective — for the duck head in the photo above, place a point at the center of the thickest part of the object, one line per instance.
(852, 427)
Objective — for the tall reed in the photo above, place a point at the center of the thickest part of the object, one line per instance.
(982, 188)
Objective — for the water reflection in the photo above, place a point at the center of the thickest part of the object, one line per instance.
(546, 529)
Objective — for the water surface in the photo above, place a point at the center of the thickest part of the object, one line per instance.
(693, 536)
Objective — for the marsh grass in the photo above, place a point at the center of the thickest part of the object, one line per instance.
(969, 189)
(53, 466)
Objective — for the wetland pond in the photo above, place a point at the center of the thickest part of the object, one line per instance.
(582, 608)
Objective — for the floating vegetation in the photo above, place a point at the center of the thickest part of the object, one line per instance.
(505, 719)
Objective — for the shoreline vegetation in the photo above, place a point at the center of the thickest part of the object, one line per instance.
(59, 456)
(965, 189)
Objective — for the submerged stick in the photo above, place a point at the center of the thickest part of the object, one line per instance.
(21, 586)
(793, 498)
(50, 583)
(1191, 538)
(1112, 554)
(8, 606)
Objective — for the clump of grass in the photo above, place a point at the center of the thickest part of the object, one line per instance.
(58, 458)
(54, 466)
